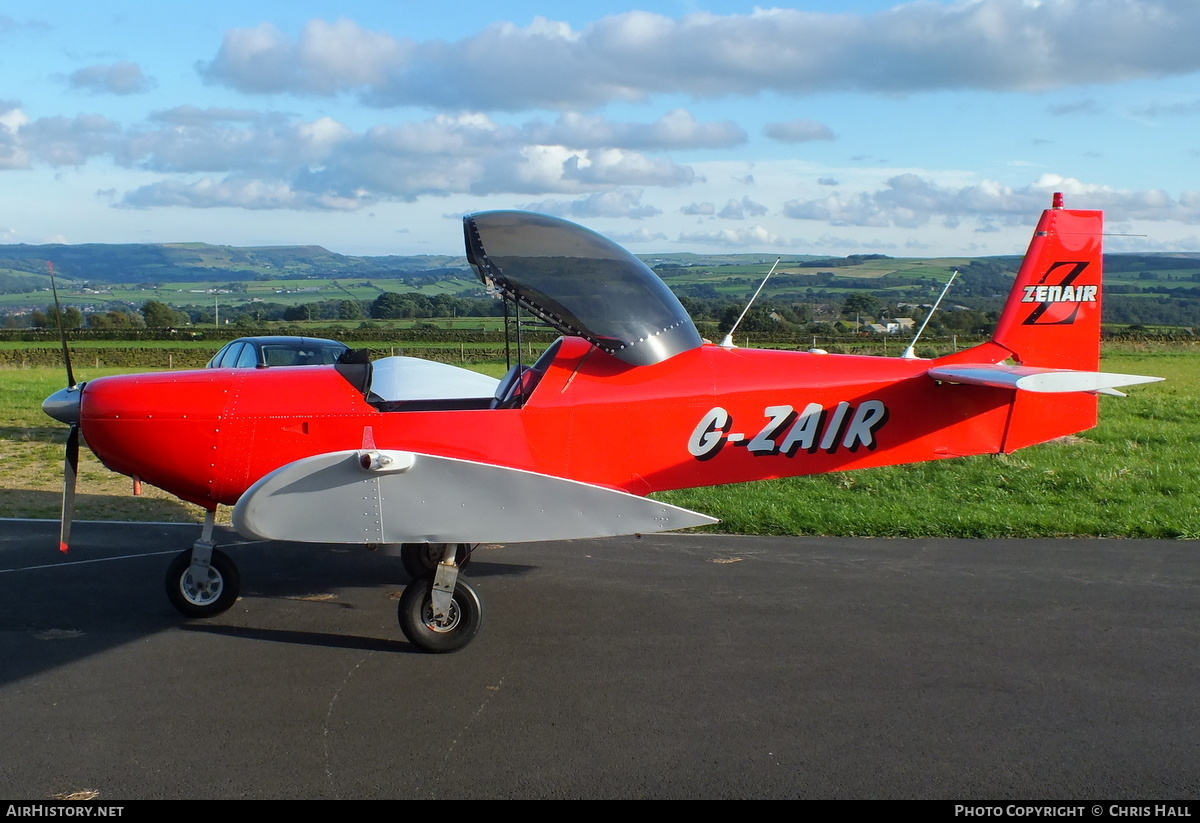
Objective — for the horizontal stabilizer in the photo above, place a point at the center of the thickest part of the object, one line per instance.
(1049, 381)
(403, 497)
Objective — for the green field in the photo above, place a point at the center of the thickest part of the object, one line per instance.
(1132, 476)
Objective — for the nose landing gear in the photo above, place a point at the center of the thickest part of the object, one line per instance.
(203, 581)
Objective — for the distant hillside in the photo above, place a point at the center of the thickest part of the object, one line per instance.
(24, 266)
(102, 263)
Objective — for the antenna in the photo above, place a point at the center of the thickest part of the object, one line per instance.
(910, 353)
(727, 341)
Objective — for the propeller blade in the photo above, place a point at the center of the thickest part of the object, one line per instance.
(70, 473)
(62, 330)
(64, 406)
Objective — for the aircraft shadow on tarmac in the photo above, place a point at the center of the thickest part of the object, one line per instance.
(109, 590)
(331, 641)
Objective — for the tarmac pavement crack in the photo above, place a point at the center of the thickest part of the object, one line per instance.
(326, 731)
(489, 692)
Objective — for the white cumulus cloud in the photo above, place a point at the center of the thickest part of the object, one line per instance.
(972, 44)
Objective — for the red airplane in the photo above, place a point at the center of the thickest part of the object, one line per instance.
(629, 401)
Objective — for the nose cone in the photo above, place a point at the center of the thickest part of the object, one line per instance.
(63, 405)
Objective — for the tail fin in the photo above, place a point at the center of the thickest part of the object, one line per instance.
(1052, 317)
(1051, 327)
(1051, 321)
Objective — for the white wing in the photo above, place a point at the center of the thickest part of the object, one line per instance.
(404, 497)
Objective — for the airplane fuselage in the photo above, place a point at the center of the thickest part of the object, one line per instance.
(704, 417)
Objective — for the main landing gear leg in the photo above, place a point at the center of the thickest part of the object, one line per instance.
(420, 559)
(440, 612)
(203, 581)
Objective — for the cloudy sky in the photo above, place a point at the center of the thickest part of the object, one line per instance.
(925, 128)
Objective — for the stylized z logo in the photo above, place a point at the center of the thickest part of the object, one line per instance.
(1036, 316)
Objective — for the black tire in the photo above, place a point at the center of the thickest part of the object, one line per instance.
(421, 559)
(415, 613)
(220, 592)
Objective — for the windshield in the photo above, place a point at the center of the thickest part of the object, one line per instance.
(581, 283)
(301, 353)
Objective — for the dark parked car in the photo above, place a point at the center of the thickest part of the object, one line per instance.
(261, 352)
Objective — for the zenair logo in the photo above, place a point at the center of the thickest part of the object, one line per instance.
(1058, 303)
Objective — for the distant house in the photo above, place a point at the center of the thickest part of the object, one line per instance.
(895, 326)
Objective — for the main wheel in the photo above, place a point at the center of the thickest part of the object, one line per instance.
(415, 613)
(203, 598)
(420, 559)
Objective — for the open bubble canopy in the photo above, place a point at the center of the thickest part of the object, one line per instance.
(581, 283)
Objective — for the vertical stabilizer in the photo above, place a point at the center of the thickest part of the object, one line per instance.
(1052, 317)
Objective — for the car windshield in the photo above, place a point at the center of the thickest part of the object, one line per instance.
(306, 354)
(251, 352)
(581, 283)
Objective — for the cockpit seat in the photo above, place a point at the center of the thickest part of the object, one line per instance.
(516, 386)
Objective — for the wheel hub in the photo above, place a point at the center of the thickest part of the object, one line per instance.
(201, 592)
(446, 625)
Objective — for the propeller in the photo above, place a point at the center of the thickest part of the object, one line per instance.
(63, 406)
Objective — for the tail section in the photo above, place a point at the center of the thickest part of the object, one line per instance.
(1051, 327)
(1052, 317)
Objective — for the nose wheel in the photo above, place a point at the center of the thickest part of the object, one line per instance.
(203, 581)
(202, 589)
